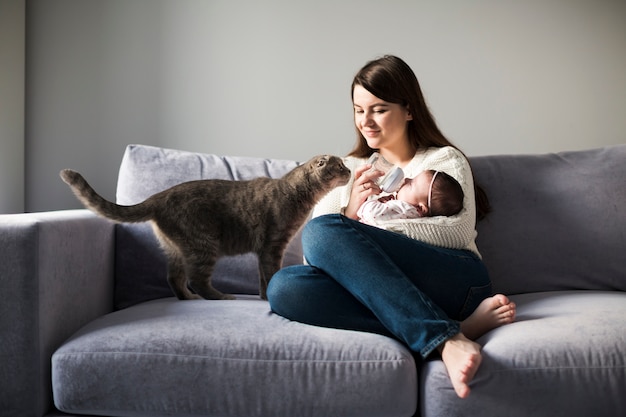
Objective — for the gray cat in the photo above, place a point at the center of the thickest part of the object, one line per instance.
(196, 222)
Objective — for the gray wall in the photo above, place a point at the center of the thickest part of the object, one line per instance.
(12, 31)
(271, 78)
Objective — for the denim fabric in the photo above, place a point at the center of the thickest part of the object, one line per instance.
(364, 278)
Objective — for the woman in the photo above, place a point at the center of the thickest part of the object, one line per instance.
(415, 285)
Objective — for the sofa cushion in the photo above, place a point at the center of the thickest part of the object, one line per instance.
(558, 220)
(565, 355)
(140, 267)
(228, 358)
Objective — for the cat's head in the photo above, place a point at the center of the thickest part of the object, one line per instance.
(329, 170)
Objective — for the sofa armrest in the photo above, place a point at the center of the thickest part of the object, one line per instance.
(56, 274)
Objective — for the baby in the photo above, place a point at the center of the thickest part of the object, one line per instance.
(431, 193)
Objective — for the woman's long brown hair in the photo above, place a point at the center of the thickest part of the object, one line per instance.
(391, 79)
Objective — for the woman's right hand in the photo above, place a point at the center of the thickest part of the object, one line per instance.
(363, 187)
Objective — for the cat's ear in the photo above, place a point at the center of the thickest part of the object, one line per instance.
(321, 161)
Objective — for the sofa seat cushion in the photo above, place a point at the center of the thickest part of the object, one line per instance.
(564, 356)
(228, 358)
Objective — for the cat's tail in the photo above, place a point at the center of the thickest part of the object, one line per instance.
(98, 204)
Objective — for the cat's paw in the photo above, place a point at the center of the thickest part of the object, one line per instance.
(228, 297)
(190, 296)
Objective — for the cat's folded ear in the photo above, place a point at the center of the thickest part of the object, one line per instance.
(322, 160)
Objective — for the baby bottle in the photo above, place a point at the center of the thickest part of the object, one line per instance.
(394, 176)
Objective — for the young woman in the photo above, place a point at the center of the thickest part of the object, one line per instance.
(417, 285)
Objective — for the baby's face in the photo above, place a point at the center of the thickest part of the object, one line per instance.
(415, 191)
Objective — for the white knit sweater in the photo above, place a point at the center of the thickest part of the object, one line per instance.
(455, 232)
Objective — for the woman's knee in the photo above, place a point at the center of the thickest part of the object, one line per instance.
(288, 294)
(278, 286)
(286, 291)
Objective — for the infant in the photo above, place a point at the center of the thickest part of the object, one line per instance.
(431, 193)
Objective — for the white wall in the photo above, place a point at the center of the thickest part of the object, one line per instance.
(12, 30)
(271, 78)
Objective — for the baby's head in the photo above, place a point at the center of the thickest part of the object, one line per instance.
(433, 193)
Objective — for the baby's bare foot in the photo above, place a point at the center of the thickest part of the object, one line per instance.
(491, 313)
(462, 358)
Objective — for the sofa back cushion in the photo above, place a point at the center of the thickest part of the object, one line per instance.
(558, 220)
(140, 266)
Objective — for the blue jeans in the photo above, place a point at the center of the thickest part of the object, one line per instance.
(364, 278)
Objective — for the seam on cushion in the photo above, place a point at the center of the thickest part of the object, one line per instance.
(555, 368)
(59, 355)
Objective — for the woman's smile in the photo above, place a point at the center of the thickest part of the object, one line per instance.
(370, 133)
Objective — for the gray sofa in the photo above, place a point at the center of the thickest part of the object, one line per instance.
(88, 322)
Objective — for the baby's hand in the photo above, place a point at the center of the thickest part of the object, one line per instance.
(386, 198)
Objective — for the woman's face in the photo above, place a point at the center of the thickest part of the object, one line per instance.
(382, 124)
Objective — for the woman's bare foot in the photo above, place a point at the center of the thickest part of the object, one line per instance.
(462, 358)
(492, 312)
(460, 354)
